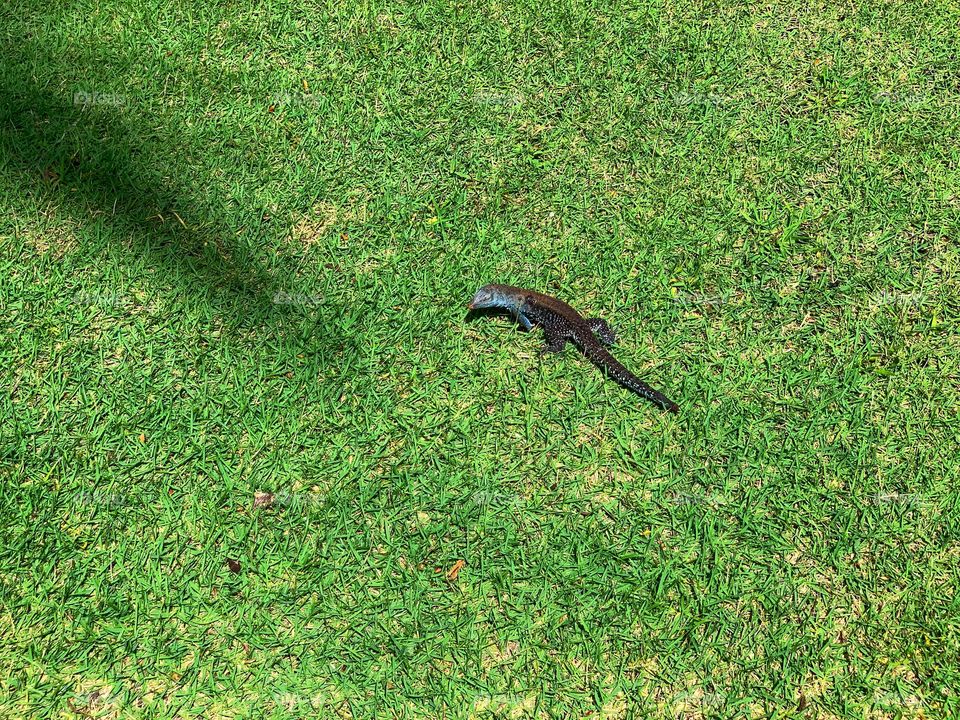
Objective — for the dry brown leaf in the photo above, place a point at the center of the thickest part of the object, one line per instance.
(262, 499)
(455, 570)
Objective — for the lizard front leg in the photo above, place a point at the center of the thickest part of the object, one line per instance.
(524, 321)
(556, 341)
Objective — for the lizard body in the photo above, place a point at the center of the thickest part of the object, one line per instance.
(561, 323)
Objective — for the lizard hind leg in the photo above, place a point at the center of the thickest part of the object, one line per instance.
(602, 330)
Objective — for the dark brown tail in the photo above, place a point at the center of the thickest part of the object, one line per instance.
(615, 370)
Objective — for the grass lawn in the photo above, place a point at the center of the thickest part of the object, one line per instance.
(257, 462)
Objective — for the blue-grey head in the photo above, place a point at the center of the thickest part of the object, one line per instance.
(503, 297)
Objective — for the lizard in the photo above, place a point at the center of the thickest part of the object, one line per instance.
(561, 323)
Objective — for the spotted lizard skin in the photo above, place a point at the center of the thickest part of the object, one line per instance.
(562, 324)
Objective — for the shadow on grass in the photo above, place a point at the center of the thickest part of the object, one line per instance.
(99, 164)
(472, 315)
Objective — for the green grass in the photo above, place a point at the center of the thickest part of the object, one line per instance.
(236, 244)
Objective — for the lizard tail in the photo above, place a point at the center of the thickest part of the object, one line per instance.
(614, 369)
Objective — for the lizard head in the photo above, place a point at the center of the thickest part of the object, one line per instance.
(491, 296)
